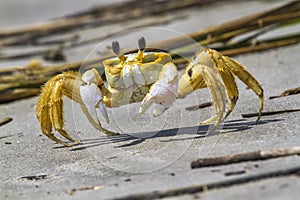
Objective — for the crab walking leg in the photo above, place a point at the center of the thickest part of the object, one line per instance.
(241, 72)
(230, 84)
(202, 73)
(49, 107)
(43, 114)
(56, 110)
(216, 89)
(96, 124)
(163, 92)
(214, 60)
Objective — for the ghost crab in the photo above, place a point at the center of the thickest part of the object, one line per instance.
(149, 77)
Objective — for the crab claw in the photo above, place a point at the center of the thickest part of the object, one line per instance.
(163, 92)
(92, 96)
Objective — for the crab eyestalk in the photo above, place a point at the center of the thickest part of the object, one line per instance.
(142, 46)
(116, 49)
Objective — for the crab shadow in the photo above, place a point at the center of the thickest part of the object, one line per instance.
(194, 132)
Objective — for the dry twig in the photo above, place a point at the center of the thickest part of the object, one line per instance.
(269, 113)
(242, 157)
(71, 192)
(287, 92)
(5, 120)
(203, 105)
(16, 83)
(201, 188)
(34, 177)
(99, 16)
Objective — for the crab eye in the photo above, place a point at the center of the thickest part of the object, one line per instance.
(142, 44)
(115, 47)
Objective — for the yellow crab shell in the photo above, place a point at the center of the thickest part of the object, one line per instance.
(150, 66)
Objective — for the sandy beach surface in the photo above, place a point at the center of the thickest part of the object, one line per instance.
(152, 157)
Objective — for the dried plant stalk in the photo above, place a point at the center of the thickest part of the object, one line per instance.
(28, 78)
(242, 157)
(287, 92)
(277, 112)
